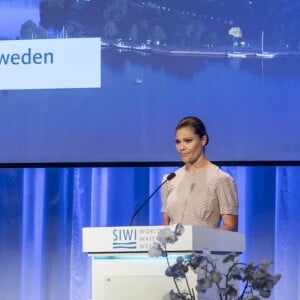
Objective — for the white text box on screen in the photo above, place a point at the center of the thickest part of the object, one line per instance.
(50, 63)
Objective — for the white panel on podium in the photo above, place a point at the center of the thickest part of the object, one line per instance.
(135, 287)
(122, 269)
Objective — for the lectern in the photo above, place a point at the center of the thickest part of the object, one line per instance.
(122, 269)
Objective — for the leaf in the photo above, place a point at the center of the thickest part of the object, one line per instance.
(196, 260)
(230, 291)
(252, 297)
(177, 270)
(179, 229)
(205, 283)
(265, 293)
(229, 257)
(276, 278)
(216, 277)
(180, 260)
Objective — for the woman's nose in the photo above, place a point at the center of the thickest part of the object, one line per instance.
(182, 146)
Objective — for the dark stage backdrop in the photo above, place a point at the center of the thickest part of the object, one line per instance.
(42, 212)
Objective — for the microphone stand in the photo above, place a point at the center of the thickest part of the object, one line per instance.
(169, 177)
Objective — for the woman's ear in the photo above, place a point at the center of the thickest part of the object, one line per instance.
(204, 140)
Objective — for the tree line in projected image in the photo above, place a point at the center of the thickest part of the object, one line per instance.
(187, 23)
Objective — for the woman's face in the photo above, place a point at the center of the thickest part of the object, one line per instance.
(189, 145)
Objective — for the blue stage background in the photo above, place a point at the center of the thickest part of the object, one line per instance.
(43, 210)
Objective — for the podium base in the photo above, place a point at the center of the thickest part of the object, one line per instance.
(129, 279)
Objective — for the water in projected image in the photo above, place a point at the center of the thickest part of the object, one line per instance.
(243, 97)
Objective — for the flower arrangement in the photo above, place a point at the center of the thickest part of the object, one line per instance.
(254, 281)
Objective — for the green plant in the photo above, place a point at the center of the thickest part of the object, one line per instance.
(254, 281)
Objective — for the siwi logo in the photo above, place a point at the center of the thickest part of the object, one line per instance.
(124, 239)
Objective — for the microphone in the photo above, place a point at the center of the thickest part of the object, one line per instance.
(169, 177)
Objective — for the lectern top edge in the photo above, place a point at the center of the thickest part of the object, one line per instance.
(139, 239)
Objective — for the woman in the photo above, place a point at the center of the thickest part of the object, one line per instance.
(201, 193)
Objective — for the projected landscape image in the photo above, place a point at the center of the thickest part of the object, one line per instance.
(182, 24)
(235, 64)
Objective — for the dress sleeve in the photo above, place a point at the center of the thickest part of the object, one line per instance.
(227, 195)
